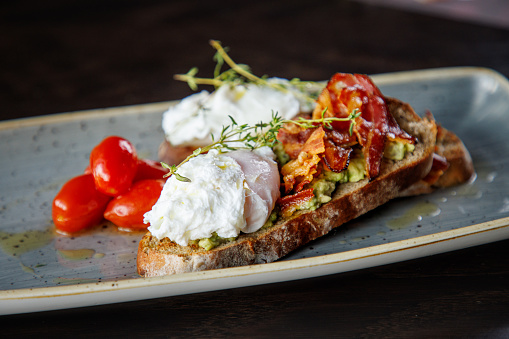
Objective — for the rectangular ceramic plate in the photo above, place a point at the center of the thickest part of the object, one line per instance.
(42, 270)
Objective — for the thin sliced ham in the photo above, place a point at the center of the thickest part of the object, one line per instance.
(262, 179)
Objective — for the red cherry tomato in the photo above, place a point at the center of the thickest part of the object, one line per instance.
(113, 162)
(127, 210)
(150, 169)
(147, 169)
(79, 205)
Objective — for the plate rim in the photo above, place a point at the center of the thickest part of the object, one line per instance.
(327, 259)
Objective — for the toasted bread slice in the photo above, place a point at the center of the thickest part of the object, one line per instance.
(459, 167)
(350, 200)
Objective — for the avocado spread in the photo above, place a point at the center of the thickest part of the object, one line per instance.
(210, 243)
(395, 150)
(323, 185)
(281, 155)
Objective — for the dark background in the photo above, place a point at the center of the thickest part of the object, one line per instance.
(60, 56)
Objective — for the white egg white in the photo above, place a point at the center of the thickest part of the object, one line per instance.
(229, 193)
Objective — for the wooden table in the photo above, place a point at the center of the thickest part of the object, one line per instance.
(59, 57)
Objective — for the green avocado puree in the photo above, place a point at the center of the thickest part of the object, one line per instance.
(323, 185)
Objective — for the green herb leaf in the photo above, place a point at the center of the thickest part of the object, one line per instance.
(240, 74)
(181, 178)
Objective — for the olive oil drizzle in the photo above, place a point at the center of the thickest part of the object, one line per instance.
(413, 215)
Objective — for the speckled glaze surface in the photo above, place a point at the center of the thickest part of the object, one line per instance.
(38, 155)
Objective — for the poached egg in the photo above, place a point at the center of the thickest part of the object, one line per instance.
(229, 193)
(194, 118)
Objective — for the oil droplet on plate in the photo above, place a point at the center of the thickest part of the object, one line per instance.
(505, 206)
(414, 214)
(491, 177)
(98, 255)
(26, 268)
(469, 191)
(79, 254)
(16, 244)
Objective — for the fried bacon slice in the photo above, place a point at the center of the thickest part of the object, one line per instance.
(335, 157)
(347, 92)
(293, 138)
(300, 171)
(289, 203)
(394, 132)
(331, 146)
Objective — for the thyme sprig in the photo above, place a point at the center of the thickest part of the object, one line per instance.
(239, 74)
(235, 136)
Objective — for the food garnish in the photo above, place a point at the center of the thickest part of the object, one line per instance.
(236, 137)
(239, 74)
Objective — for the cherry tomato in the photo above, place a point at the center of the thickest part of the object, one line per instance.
(127, 210)
(79, 205)
(150, 169)
(114, 163)
(147, 169)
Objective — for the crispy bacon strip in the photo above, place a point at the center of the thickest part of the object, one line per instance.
(346, 92)
(300, 171)
(293, 138)
(289, 203)
(341, 136)
(336, 157)
(310, 150)
(371, 130)
(394, 132)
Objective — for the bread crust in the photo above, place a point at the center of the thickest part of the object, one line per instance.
(350, 200)
(461, 168)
